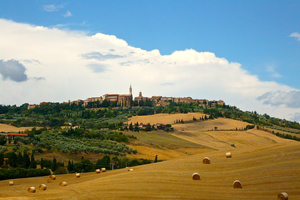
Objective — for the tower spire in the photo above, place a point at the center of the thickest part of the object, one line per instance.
(130, 90)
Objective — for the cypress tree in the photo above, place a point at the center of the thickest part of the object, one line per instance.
(12, 159)
(42, 163)
(130, 127)
(26, 160)
(69, 166)
(32, 161)
(20, 160)
(72, 169)
(1, 159)
(54, 164)
(155, 160)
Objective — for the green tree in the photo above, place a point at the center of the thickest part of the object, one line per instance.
(104, 162)
(70, 166)
(130, 127)
(54, 164)
(87, 165)
(20, 160)
(2, 140)
(32, 161)
(42, 163)
(155, 160)
(1, 159)
(26, 160)
(115, 162)
(148, 128)
(12, 159)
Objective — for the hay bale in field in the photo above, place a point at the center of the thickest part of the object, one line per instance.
(103, 170)
(237, 184)
(77, 175)
(228, 155)
(283, 196)
(206, 160)
(31, 190)
(63, 184)
(52, 177)
(130, 170)
(42, 187)
(196, 176)
(10, 183)
(98, 171)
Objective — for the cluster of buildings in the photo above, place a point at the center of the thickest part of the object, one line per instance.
(125, 100)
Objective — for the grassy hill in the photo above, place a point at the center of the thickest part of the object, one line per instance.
(264, 163)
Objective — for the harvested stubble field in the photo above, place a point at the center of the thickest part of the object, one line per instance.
(164, 118)
(9, 128)
(265, 164)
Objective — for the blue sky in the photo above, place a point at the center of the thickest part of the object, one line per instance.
(261, 36)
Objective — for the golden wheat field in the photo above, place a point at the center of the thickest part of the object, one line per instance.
(265, 165)
(164, 118)
(9, 128)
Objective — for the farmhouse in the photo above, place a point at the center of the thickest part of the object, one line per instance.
(13, 135)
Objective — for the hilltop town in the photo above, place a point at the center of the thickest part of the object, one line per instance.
(126, 100)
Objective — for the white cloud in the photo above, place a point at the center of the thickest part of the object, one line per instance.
(13, 70)
(68, 14)
(271, 70)
(72, 65)
(296, 117)
(51, 8)
(290, 99)
(296, 35)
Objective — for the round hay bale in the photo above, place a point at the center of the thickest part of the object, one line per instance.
(283, 196)
(31, 190)
(237, 184)
(228, 155)
(10, 183)
(63, 184)
(206, 160)
(103, 170)
(42, 187)
(49, 180)
(77, 175)
(130, 170)
(98, 171)
(52, 177)
(196, 176)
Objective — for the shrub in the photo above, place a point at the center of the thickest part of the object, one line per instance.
(60, 170)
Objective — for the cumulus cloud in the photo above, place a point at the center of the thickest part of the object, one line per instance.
(290, 99)
(68, 14)
(271, 70)
(13, 70)
(296, 35)
(100, 56)
(52, 8)
(39, 78)
(296, 117)
(97, 68)
(77, 66)
(31, 61)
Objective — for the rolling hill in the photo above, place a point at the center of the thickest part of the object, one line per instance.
(264, 163)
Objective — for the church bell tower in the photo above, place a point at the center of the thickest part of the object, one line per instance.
(130, 90)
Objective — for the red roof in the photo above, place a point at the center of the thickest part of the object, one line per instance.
(17, 134)
(161, 124)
